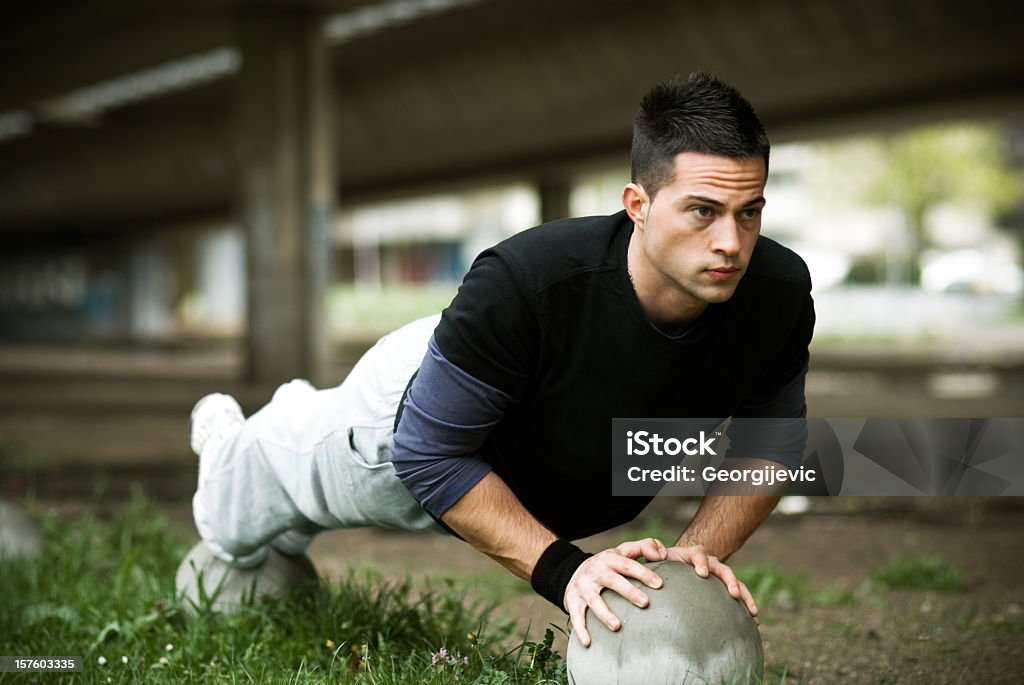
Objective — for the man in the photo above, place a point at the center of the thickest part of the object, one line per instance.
(492, 421)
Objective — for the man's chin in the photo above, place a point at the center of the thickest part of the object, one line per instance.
(717, 295)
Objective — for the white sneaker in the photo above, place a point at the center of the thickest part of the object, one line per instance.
(214, 418)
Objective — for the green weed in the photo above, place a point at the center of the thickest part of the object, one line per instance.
(834, 596)
(772, 587)
(921, 573)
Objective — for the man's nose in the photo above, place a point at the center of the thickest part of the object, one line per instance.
(726, 237)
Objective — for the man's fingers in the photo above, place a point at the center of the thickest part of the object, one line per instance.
(695, 556)
(632, 593)
(726, 575)
(619, 568)
(624, 565)
(604, 614)
(748, 600)
(701, 561)
(578, 618)
(651, 549)
(597, 605)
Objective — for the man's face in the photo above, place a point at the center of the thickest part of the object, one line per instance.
(697, 234)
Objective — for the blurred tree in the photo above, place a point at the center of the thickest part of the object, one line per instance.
(963, 164)
(916, 170)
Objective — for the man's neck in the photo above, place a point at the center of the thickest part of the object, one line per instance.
(668, 308)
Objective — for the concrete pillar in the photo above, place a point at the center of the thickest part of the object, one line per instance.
(287, 172)
(554, 198)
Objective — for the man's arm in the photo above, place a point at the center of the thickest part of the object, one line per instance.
(724, 522)
(491, 519)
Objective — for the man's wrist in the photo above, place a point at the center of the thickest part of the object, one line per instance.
(554, 570)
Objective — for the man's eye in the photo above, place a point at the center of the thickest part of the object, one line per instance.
(703, 212)
(750, 213)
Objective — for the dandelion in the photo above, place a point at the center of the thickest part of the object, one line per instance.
(102, 661)
(124, 660)
(329, 644)
(164, 661)
(169, 647)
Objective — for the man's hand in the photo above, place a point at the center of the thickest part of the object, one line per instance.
(705, 564)
(611, 568)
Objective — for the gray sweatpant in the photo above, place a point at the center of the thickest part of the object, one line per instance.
(313, 460)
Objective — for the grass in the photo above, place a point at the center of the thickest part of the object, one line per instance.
(772, 587)
(835, 596)
(103, 590)
(351, 310)
(921, 573)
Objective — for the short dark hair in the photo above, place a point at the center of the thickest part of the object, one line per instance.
(698, 114)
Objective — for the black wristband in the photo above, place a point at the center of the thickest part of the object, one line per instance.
(554, 570)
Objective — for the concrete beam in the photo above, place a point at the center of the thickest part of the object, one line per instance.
(286, 168)
(487, 94)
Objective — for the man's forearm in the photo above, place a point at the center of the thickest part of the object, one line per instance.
(724, 522)
(493, 520)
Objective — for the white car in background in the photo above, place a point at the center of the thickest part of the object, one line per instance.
(971, 271)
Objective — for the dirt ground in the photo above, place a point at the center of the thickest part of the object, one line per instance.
(876, 636)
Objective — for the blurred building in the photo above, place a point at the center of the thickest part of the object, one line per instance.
(429, 239)
(154, 155)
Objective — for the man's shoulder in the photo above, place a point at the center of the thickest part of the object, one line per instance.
(566, 246)
(572, 226)
(774, 261)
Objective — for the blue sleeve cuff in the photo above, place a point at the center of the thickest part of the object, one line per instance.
(446, 418)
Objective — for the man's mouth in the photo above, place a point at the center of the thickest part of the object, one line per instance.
(723, 273)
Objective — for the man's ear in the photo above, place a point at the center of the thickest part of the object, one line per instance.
(635, 202)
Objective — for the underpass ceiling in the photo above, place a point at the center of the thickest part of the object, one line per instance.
(481, 91)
